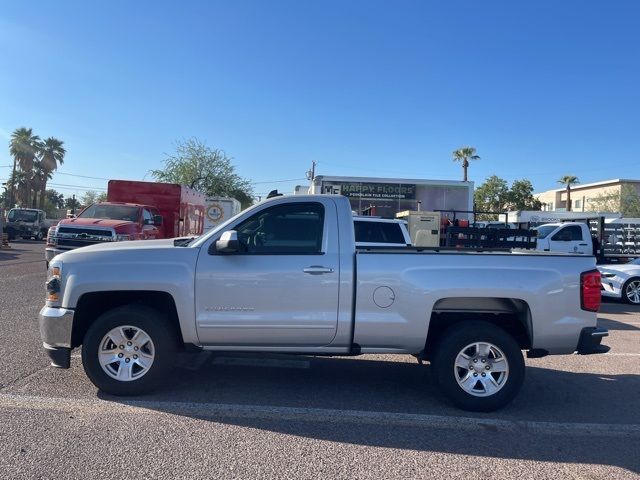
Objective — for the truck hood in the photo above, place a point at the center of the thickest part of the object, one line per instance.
(129, 256)
(92, 222)
(131, 245)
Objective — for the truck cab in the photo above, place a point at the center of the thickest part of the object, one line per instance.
(567, 237)
(26, 223)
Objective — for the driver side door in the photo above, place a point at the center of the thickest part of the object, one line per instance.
(281, 288)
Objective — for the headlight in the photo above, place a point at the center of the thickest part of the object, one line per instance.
(123, 237)
(54, 283)
(608, 275)
(51, 236)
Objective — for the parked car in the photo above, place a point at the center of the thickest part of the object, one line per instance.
(27, 223)
(622, 281)
(380, 232)
(285, 276)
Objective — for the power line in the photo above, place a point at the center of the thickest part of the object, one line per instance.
(278, 181)
(82, 187)
(81, 176)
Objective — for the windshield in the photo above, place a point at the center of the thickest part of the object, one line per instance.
(111, 212)
(22, 216)
(545, 230)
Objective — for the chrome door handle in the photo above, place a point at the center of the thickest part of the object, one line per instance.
(317, 270)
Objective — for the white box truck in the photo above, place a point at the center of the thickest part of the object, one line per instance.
(218, 210)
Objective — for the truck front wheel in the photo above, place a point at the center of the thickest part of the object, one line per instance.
(128, 350)
(478, 366)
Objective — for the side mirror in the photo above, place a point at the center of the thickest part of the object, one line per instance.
(228, 242)
(157, 220)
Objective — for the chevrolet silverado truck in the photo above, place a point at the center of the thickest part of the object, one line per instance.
(285, 276)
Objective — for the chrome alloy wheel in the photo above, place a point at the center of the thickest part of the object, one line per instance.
(481, 369)
(126, 353)
(632, 291)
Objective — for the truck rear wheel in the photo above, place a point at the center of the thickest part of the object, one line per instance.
(128, 350)
(478, 366)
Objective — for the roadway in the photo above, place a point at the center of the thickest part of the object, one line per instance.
(250, 416)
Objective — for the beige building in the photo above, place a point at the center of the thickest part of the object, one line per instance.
(582, 194)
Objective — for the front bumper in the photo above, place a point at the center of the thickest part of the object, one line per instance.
(51, 252)
(590, 341)
(56, 325)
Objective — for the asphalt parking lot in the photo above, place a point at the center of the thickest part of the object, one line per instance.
(249, 416)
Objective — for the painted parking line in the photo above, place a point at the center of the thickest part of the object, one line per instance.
(215, 411)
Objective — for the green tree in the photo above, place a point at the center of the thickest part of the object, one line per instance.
(626, 201)
(520, 196)
(568, 180)
(56, 199)
(463, 155)
(72, 203)
(205, 169)
(24, 147)
(491, 196)
(52, 155)
(39, 178)
(629, 202)
(89, 198)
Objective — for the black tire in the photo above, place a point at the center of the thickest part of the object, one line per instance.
(453, 341)
(40, 236)
(624, 291)
(157, 327)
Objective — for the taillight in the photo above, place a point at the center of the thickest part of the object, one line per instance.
(590, 284)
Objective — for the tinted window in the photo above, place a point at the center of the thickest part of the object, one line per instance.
(567, 234)
(111, 212)
(378, 232)
(148, 218)
(22, 216)
(543, 232)
(284, 229)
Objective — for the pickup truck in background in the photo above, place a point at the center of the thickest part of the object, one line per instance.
(286, 276)
(570, 237)
(27, 223)
(133, 211)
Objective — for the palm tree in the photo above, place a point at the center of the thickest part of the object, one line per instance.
(569, 180)
(24, 146)
(463, 155)
(17, 182)
(40, 177)
(51, 156)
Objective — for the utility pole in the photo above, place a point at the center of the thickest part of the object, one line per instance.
(73, 204)
(311, 174)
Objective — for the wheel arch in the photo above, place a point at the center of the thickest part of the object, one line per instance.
(91, 305)
(511, 314)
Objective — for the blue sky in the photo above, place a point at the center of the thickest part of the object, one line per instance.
(366, 88)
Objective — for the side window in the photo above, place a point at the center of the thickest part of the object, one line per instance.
(378, 232)
(294, 229)
(576, 232)
(147, 217)
(568, 234)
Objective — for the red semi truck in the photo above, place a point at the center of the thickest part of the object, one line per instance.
(133, 211)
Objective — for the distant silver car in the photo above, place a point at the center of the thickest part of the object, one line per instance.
(622, 281)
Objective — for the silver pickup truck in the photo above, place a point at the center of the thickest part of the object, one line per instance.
(286, 276)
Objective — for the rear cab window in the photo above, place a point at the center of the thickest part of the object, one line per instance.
(378, 232)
